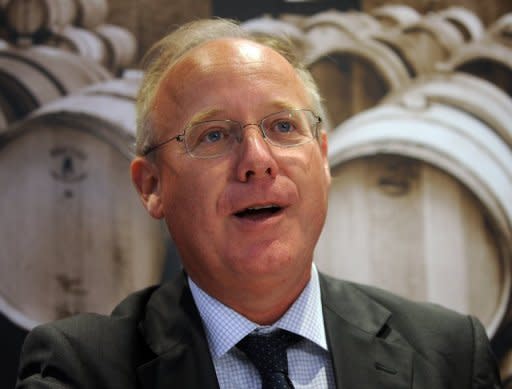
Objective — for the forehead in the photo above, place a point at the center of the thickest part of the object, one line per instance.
(232, 50)
(229, 72)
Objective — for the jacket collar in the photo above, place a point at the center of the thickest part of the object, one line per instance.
(366, 352)
(173, 331)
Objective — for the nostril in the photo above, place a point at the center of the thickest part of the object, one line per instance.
(255, 159)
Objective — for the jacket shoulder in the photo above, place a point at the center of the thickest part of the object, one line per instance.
(449, 342)
(72, 351)
(426, 326)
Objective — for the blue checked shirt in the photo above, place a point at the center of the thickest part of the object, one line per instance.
(309, 362)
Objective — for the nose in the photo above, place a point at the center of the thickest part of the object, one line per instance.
(255, 157)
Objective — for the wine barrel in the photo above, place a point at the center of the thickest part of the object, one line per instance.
(12, 341)
(502, 347)
(501, 30)
(87, 240)
(279, 28)
(396, 15)
(445, 35)
(352, 74)
(472, 94)
(486, 59)
(352, 23)
(81, 42)
(91, 13)
(467, 22)
(121, 46)
(6, 114)
(38, 19)
(420, 204)
(422, 45)
(35, 76)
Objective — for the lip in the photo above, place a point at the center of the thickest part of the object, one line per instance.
(262, 206)
(241, 196)
(263, 220)
(260, 221)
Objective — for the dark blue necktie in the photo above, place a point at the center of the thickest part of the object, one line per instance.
(268, 353)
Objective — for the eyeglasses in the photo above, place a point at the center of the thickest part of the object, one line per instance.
(214, 138)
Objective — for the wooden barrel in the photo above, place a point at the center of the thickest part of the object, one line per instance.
(279, 28)
(422, 45)
(352, 23)
(88, 242)
(121, 46)
(502, 347)
(35, 76)
(420, 205)
(467, 22)
(38, 18)
(486, 59)
(501, 30)
(81, 42)
(474, 95)
(6, 113)
(91, 13)
(353, 74)
(12, 341)
(396, 15)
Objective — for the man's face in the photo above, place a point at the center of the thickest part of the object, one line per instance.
(217, 209)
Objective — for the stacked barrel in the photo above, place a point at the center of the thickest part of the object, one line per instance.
(78, 232)
(419, 109)
(74, 237)
(78, 26)
(419, 114)
(50, 48)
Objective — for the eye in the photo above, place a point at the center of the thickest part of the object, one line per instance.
(213, 136)
(283, 126)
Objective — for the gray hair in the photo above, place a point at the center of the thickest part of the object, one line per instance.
(165, 54)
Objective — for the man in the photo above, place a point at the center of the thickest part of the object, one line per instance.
(232, 154)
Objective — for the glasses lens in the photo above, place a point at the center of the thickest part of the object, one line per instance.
(290, 128)
(211, 138)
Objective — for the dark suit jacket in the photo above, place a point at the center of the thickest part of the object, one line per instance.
(155, 339)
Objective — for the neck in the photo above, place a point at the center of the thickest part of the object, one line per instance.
(261, 301)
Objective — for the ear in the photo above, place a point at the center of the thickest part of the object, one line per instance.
(324, 149)
(146, 180)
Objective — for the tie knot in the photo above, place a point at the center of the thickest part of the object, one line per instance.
(268, 353)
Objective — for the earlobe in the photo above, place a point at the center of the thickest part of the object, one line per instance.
(146, 181)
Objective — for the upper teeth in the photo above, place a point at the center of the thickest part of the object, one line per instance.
(261, 207)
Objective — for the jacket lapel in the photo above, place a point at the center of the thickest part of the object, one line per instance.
(366, 352)
(173, 331)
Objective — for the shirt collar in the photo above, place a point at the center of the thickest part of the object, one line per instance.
(225, 327)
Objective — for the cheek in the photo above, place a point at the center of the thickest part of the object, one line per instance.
(312, 172)
(314, 187)
(193, 197)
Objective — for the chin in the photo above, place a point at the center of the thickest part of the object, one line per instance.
(271, 261)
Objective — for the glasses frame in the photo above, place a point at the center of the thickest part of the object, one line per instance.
(181, 137)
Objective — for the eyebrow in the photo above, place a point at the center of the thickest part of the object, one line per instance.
(202, 116)
(208, 114)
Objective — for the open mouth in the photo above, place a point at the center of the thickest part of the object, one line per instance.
(258, 212)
